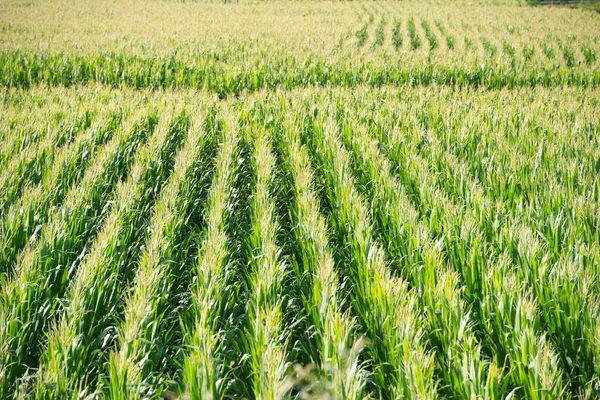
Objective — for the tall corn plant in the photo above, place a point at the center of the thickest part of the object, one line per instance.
(28, 148)
(538, 268)
(507, 298)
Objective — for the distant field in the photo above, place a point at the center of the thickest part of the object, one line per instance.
(237, 48)
(322, 200)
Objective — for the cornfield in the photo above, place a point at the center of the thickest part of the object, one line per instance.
(311, 200)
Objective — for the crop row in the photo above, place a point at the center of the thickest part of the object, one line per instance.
(120, 70)
(422, 33)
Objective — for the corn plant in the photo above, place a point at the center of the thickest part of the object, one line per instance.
(530, 325)
(337, 214)
(423, 270)
(29, 166)
(146, 307)
(362, 35)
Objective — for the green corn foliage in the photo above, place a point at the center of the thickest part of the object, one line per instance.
(498, 182)
(138, 354)
(384, 306)
(528, 52)
(548, 50)
(513, 329)
(431, 38)
(509, 49)
(397, 37)
(25, 131)
(568, 311)
(450, 42)
(464, 373)
(507, 302)
(547, 212)
(517, 311)
(589, 54)
(340, 372)
(415, 40)
(490, 48)
(203, 371)
(46, 266)
(469, 43)
(71, 361)
(419, 223)
(28, 216)
(450, 39)
(266, 341)
(236, 65)
(423, 176)
(380, 32)
(556, 310)
(148, 331)
(28, 166)
(507, 306)
(440, 27)
(135, 71)
(362, 35)
(568, 55)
